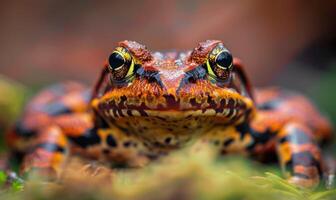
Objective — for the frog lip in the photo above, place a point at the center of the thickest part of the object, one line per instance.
(179, 102)
(227, 108)
(225, 115)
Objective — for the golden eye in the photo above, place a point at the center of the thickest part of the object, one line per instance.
(121, 64)
(219, 64)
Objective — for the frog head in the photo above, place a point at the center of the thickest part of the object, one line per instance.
(168, 98)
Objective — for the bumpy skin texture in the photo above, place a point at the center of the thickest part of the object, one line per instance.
(146, 104)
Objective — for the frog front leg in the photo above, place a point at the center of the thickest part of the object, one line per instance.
(106, 144)
(297, 151)
(48, 153)
(46, 147)
(299, 155)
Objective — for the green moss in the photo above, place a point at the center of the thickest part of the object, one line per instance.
(183, 175)
(3, 178)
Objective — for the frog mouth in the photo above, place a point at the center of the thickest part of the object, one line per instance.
(176, 108)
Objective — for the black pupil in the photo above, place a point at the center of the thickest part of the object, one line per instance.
(116, 60)
(224, 59)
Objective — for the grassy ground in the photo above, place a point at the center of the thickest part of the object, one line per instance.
(182, 175)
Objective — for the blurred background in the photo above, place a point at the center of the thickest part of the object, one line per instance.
(291, 43)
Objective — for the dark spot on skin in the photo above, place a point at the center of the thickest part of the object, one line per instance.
(158, 144)
(283, 140)
(231, 103)
(185, 127)
(160, 107)
(88, 138)
(170, 129)
(171, 102)
(192, 80)
(111, 141)
(143, 113)
(258, 137)
(21, 130)
(237, 116)
(211, 102)
(227, 142)
(216, 142)
(100, 122)
(194, 103)
(129, 113)
(125, 130)
(221, 106)
(189, 116)
(120, 113)
(223, 152)
(230, 113)
(168, 140)
(152, 79)
(127, 144)
(122, 101)
(115, 113)
(161, 118)
(153, 156)
(106, 151)
(51, 147)
(243, 129)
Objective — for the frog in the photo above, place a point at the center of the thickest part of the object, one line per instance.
(147, 104)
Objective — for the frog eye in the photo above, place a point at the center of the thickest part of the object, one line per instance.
(224, 60)
(219, 64)
(121, 64)
(116, 61)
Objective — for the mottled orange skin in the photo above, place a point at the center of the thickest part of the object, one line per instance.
(171, 102)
